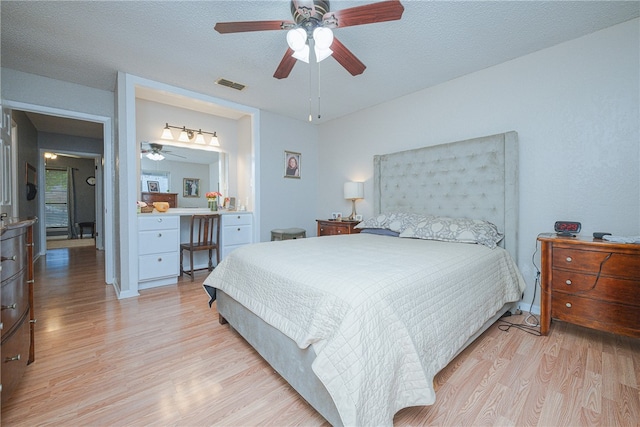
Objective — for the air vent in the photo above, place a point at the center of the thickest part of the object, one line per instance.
(229, 83)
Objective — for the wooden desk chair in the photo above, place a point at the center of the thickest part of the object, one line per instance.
(204, 233)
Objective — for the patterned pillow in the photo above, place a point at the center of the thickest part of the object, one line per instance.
(379, 221)
(395, 221)
(463, 230)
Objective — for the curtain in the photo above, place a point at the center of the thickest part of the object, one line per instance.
(71, 204)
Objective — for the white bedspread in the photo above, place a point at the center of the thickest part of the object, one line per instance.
(384, 314)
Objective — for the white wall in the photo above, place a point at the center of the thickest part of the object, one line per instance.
(288, 202)
(575, 107)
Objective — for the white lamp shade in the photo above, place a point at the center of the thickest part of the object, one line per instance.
(323, 37)
(296, 38)
(354, 190)
(302, 54)
(166, 133)
(184, 136)
(214, 140)
(200, 138)
(322, 53)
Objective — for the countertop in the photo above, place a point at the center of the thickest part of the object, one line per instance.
(192, 211)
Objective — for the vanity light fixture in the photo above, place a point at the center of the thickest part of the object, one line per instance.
(353, 191)
(186, 135)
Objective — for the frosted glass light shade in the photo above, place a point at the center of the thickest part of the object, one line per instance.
(166, 133)
(200, 138)
(214, 140)
(184, 136)
(354, 190)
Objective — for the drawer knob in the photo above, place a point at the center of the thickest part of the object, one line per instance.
(159, 219)
(12, 359)
(339, 231)
(9, 307)
(568, 282)
(159, 234)
(8, 258)
(568, 305)
(159, 259)
(569, 259)
(238, 228)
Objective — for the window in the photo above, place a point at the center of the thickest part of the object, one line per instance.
(55, 198)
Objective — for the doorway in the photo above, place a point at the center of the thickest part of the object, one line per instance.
(104, 175)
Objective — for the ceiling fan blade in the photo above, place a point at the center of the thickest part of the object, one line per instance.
(286, 65)
(347, 59)
(171, 154)
(246, 26)
(390, 10)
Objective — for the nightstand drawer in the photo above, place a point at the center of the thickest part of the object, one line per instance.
(613, 317)
(15, 301)
(592, 286)
(237, 235)
(620, 265)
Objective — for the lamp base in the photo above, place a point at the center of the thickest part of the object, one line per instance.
(353, 210)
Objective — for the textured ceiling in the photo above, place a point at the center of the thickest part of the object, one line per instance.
(87, 42)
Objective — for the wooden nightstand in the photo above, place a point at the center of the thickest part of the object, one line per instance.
(330, 227)
(592, 283)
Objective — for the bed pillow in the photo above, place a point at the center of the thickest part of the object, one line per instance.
(395, 221)
(462, 230)
(380, 232)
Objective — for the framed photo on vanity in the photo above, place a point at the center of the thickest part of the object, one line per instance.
(292, 164)
(153, 186)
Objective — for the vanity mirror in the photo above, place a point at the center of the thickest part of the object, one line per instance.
(178, 163)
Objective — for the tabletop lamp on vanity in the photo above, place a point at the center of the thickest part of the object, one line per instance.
(353, 191)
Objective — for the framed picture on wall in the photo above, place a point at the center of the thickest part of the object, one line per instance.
(191, 187)
(153, 186)
(292, 164)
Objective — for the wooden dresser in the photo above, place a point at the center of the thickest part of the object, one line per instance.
(330, 227)
(149, 198)
(590, 282)
(16, 299)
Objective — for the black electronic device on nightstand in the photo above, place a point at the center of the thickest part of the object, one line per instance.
(567, 228)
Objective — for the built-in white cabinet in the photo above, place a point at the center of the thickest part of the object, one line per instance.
(158, 250)
(237, 230)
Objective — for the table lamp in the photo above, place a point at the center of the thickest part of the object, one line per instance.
(353, 191)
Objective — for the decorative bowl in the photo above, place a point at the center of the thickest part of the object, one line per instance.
(161, 206)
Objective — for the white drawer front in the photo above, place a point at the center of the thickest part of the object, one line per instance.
(158, 222)
(157, 241)
(236, 219)
(158, 265)
(236, 235)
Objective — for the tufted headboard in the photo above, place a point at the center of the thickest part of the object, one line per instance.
(476, 178)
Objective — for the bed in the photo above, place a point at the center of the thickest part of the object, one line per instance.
(360, 324)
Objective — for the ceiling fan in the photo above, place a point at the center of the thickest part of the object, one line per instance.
(311, 18)
(156, 152)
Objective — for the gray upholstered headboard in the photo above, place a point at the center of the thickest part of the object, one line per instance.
(476, 178)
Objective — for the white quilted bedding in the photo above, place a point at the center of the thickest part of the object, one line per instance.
(384, 314)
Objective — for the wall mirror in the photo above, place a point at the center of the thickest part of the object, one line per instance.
(178, 163)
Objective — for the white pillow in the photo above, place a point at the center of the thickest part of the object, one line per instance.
(462, 230)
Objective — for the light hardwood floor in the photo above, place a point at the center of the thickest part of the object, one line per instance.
(163, 359)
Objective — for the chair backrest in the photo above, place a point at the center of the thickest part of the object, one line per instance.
(205, 230)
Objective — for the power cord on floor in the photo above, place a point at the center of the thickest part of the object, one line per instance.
(527, 325)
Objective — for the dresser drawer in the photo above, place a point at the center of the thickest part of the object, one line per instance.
(15, 301)
(236, 235)
(590, 286)
(618, 264)
(157, 241)
(158, 222)
(158, 265)
(236, 219)
(15, 345)
(13, 252)
(608, 316)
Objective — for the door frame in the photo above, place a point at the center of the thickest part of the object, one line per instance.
(106, 187)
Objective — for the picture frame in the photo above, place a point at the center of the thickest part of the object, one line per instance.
(292, 165)
(191, 187)
(358, 217)
(153, 186)
(336, 216)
